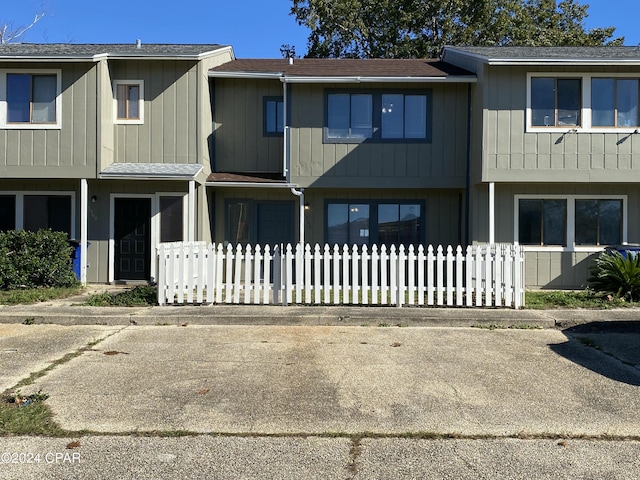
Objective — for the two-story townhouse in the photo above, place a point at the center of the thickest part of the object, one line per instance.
(110, 143)
(555, 153)
(340, 151)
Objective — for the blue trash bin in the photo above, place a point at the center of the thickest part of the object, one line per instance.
(76, 256)
(631, 249)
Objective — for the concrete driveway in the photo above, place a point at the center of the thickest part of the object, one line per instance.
(319, 380)
(320, 402)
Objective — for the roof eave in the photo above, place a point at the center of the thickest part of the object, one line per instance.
(376, 79)
(48, 58)
(112, 56)
(228, 74)
(542, 61)
(563, 61)
(145, 176)
(251, 184)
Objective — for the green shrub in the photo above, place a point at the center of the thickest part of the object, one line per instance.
(35, 259)
(617, 275)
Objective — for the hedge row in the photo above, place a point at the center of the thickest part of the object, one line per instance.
(35, 259)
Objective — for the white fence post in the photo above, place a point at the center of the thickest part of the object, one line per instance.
(375, 269)
(162, 280)
(364, 280)
(277, 275)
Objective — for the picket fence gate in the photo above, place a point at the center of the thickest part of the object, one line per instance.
(480, 276)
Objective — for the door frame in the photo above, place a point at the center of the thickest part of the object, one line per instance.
(154, 223)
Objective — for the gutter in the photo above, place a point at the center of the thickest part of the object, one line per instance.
(252, 185)
(365, 79)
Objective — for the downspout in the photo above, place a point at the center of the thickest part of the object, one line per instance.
(467, 202)
(286, 173)
(300, 195)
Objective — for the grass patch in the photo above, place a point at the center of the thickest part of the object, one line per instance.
(543, 300)
(496, 326)
(32, 419)
(35, 295)
(139, 296)
(27, 414)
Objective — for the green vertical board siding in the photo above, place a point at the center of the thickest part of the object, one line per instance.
(168, 133)
(72, 145)
(240, 143)
(315, 162)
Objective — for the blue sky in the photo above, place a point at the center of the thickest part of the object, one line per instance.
(255, 28)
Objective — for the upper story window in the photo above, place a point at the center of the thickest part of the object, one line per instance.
(128, 101)
(379, 116)
(349, 115)
(555, 102)
(614, 102)
(583, 102)
(30, 99)
(273, 116)
(404, 116)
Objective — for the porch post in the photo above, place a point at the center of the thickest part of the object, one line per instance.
(192, 210)
(492, 212)
(83, 230)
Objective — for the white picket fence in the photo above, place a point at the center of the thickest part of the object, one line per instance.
(479, 276)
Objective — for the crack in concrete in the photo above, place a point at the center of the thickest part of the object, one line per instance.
(354, 454)
(61, 361)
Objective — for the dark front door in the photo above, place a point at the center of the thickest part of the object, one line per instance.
(275, 223)
(132, 232)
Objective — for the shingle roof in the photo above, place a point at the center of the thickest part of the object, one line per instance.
(553, 54)
(331, 67)
(70, 50)
(152, 170)
(231, 177)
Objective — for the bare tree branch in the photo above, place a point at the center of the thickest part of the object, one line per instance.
(9, 34)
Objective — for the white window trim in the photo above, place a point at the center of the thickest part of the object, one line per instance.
(19, 218)
(124, 121)
(24, 125)
(585, 112)
(571, 221)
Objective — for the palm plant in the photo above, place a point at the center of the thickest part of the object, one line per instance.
(616, 274)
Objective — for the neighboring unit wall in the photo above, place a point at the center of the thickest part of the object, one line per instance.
(555, 267)
(513, 154)
(67, 151)
(439, 163)
(240, 144)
